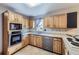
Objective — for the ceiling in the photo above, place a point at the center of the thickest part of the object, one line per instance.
(41, 9)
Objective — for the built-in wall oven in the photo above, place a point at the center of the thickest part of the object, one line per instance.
(15, 35)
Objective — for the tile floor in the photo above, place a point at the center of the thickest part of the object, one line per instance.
(30, 50)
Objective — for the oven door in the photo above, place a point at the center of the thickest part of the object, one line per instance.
(15, 39)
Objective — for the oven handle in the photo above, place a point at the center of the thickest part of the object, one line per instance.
(15, 34)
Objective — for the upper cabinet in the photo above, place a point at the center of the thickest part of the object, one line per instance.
(61, 21)
(31, 22)
(56, 21)
(14, 18)
(17, 18)
(48, 22)
(25, 22)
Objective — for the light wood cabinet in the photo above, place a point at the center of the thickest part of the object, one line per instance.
(51, 22)
(33, 40)
(63, 21)
(24, 22)
(11, 17)
(25, 41)
(36, 40)
(27, 23)
(39, 41)
(48, 22)
(57, 45)
(56, 21)
(45, 22)
(30, 24)
(18, 19)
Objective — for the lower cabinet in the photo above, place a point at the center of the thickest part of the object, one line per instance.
(25, 41)
(52, 44)
(58, 45)
(47, 43)
(33, 40)
(39, 41)
(36, 40)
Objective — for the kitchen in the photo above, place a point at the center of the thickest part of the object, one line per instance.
(55, 32)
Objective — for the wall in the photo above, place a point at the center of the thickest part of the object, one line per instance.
(1, 11)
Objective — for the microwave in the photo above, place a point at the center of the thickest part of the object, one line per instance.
(15, 26)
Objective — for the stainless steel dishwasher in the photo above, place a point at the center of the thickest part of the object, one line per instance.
(48, 43)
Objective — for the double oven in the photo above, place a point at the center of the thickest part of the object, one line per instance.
(15, 36)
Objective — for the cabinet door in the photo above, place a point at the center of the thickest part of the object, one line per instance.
(57, 45)
(30, 23)
(16, 19)
(24, 23)
(11, 17)
(46, 25)
(33, 40)
(63, 21)
(51, 22)
(27, 23)
(72, 20)
(47, 43)
(56, 21)
(25, 41)
(39, 41)
(20, 19)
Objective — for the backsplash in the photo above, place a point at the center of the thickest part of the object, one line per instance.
(61, 31)
(24, 30)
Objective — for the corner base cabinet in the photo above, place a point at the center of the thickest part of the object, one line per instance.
(25, 41)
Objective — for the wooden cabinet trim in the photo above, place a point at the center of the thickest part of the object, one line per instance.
(5, 33)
